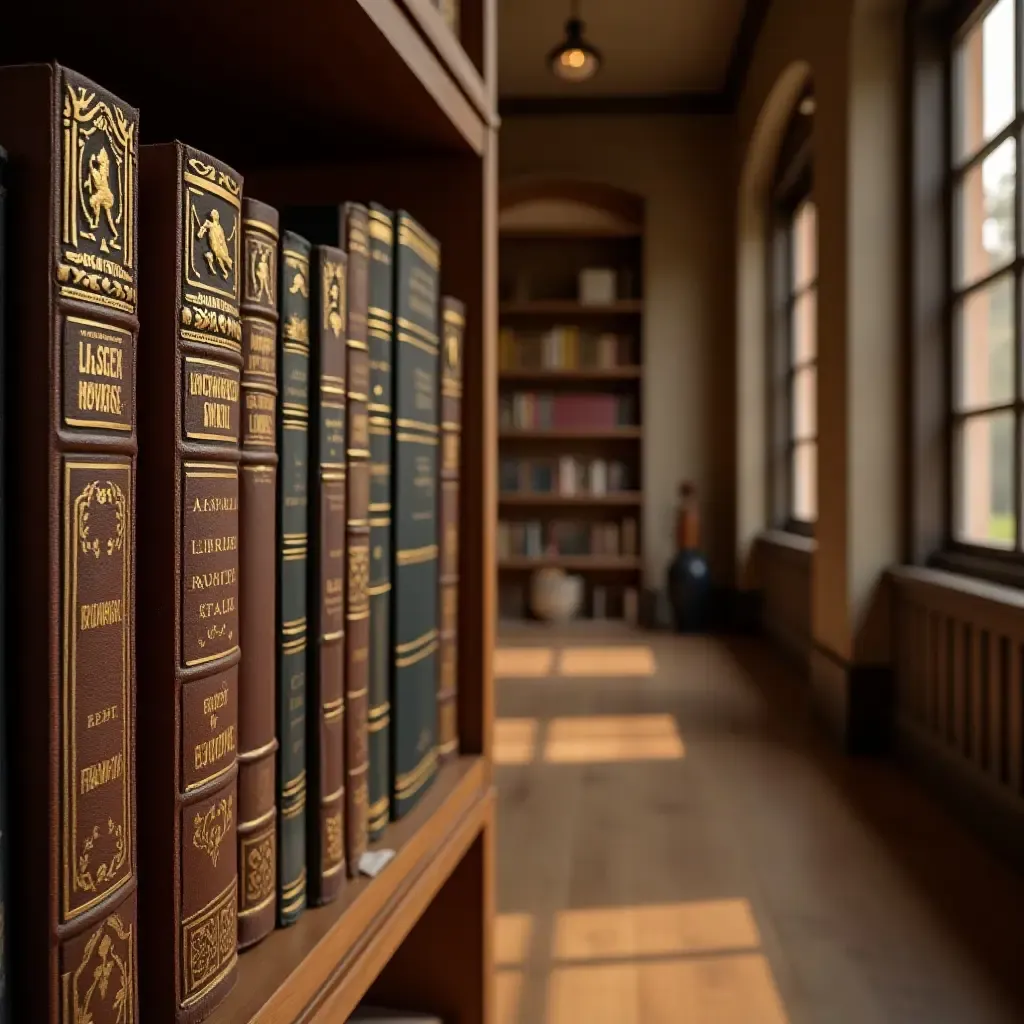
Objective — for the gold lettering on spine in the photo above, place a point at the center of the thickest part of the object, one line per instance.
(212, 397)
(97, 568)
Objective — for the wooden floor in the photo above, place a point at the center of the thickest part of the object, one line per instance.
(677, 845)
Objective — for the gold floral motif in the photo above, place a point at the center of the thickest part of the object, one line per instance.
(211, 321)
(108, 969)
(210, 173)
(299, 266)
(111, 495)
(296, 328)
(332, 839)
(85, 880)
(358, 577)
(212, 827)
(334, 296)
(259, 871)
(451, 352)
(209, 940)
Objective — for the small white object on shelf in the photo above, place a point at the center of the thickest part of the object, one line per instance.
(556, 596)
(597, 286)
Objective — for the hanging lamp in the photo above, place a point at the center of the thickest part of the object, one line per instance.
(574, 59)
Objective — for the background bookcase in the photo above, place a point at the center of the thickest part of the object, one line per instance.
(353, 99)
(570, 465)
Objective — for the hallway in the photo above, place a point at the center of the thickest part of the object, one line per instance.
(677, 843)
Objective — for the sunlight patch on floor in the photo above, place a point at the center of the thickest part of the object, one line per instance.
(523, 662)
(594, 662)
(512, 939)
(515, 740)
(604, 738)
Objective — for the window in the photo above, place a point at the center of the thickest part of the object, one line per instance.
(794, 336)
(987, 399)
(802, 368)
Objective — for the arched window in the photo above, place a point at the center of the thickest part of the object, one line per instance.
(794, 335)
(985, 261)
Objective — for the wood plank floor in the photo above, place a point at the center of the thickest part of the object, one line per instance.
(678, 844)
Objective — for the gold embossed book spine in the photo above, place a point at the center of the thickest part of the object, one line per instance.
(453, 326)
(189, 651)
(257, 677)
(357, 639)
(71, 331)
(325, 665)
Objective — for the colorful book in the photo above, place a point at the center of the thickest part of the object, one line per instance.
(453, 326)
(293, 555)
(415, 437)
(70, 345)
(325, 665)
(257, 676)
(189, 426)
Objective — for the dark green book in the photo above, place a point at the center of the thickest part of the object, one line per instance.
(379, 330)
(293, 532)
(414, 504)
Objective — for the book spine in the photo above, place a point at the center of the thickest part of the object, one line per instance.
(257, 735)
(70, 346)
(453, 325)
(325, 666)
(4, 998)
(357, 637)
(293, 555)
(190, 421)
(379, 324)
(414, 599)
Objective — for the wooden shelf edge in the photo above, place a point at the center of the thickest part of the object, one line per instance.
(623, 433)
(596, 375)
(614, 499)
(432, 73)
(449, 50)
(570, 307)
(296, 968)
(540, 233)
(580, 563)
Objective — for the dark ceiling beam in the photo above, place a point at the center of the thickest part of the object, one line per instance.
(691, 103)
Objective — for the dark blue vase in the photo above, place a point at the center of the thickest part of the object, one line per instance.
(689, 591)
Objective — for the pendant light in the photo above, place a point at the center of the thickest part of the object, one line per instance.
(574, 59)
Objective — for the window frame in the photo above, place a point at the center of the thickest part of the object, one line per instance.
(1004, 564)
(794, 185)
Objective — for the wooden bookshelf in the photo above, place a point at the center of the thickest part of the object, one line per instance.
(554, 346)
(375, 100)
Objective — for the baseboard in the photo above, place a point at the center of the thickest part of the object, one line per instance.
(996, 817)
(854, 701)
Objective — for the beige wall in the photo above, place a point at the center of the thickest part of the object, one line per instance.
(683, 168)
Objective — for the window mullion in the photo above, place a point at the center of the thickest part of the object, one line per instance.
(1018, 369)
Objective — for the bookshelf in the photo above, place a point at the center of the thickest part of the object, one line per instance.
(276, 99)
(571, 391)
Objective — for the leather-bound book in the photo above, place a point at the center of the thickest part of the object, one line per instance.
(189, 427)
(5, 1010)
(379, 331)
(453, 326)
(293, 554)
(70, 348)
(257, 559)
(325, 664)
(414, 597)
(357, 634)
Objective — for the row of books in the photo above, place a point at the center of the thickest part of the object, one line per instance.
(248, 513)
(566, 475)
(534, 539)
(529, 410)
(601, 602)
(563, 348)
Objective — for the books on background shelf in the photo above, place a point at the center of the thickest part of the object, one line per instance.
(269, 664)
(535, 539)
(531, 410)
(563, 348)
(565, 475)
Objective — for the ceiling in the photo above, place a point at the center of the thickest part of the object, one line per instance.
(650, 47)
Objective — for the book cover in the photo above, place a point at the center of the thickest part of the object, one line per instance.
(71, 328)
(293, 555)
(453, 326)
(190, 415)
(415, 441)
(257, 676)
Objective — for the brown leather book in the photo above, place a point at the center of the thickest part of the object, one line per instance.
(189, 426)
(257, 565)
(357, 638)
(453, 317)
(70, 391)
(325, 666)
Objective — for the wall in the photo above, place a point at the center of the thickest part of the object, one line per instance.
(683, 168)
